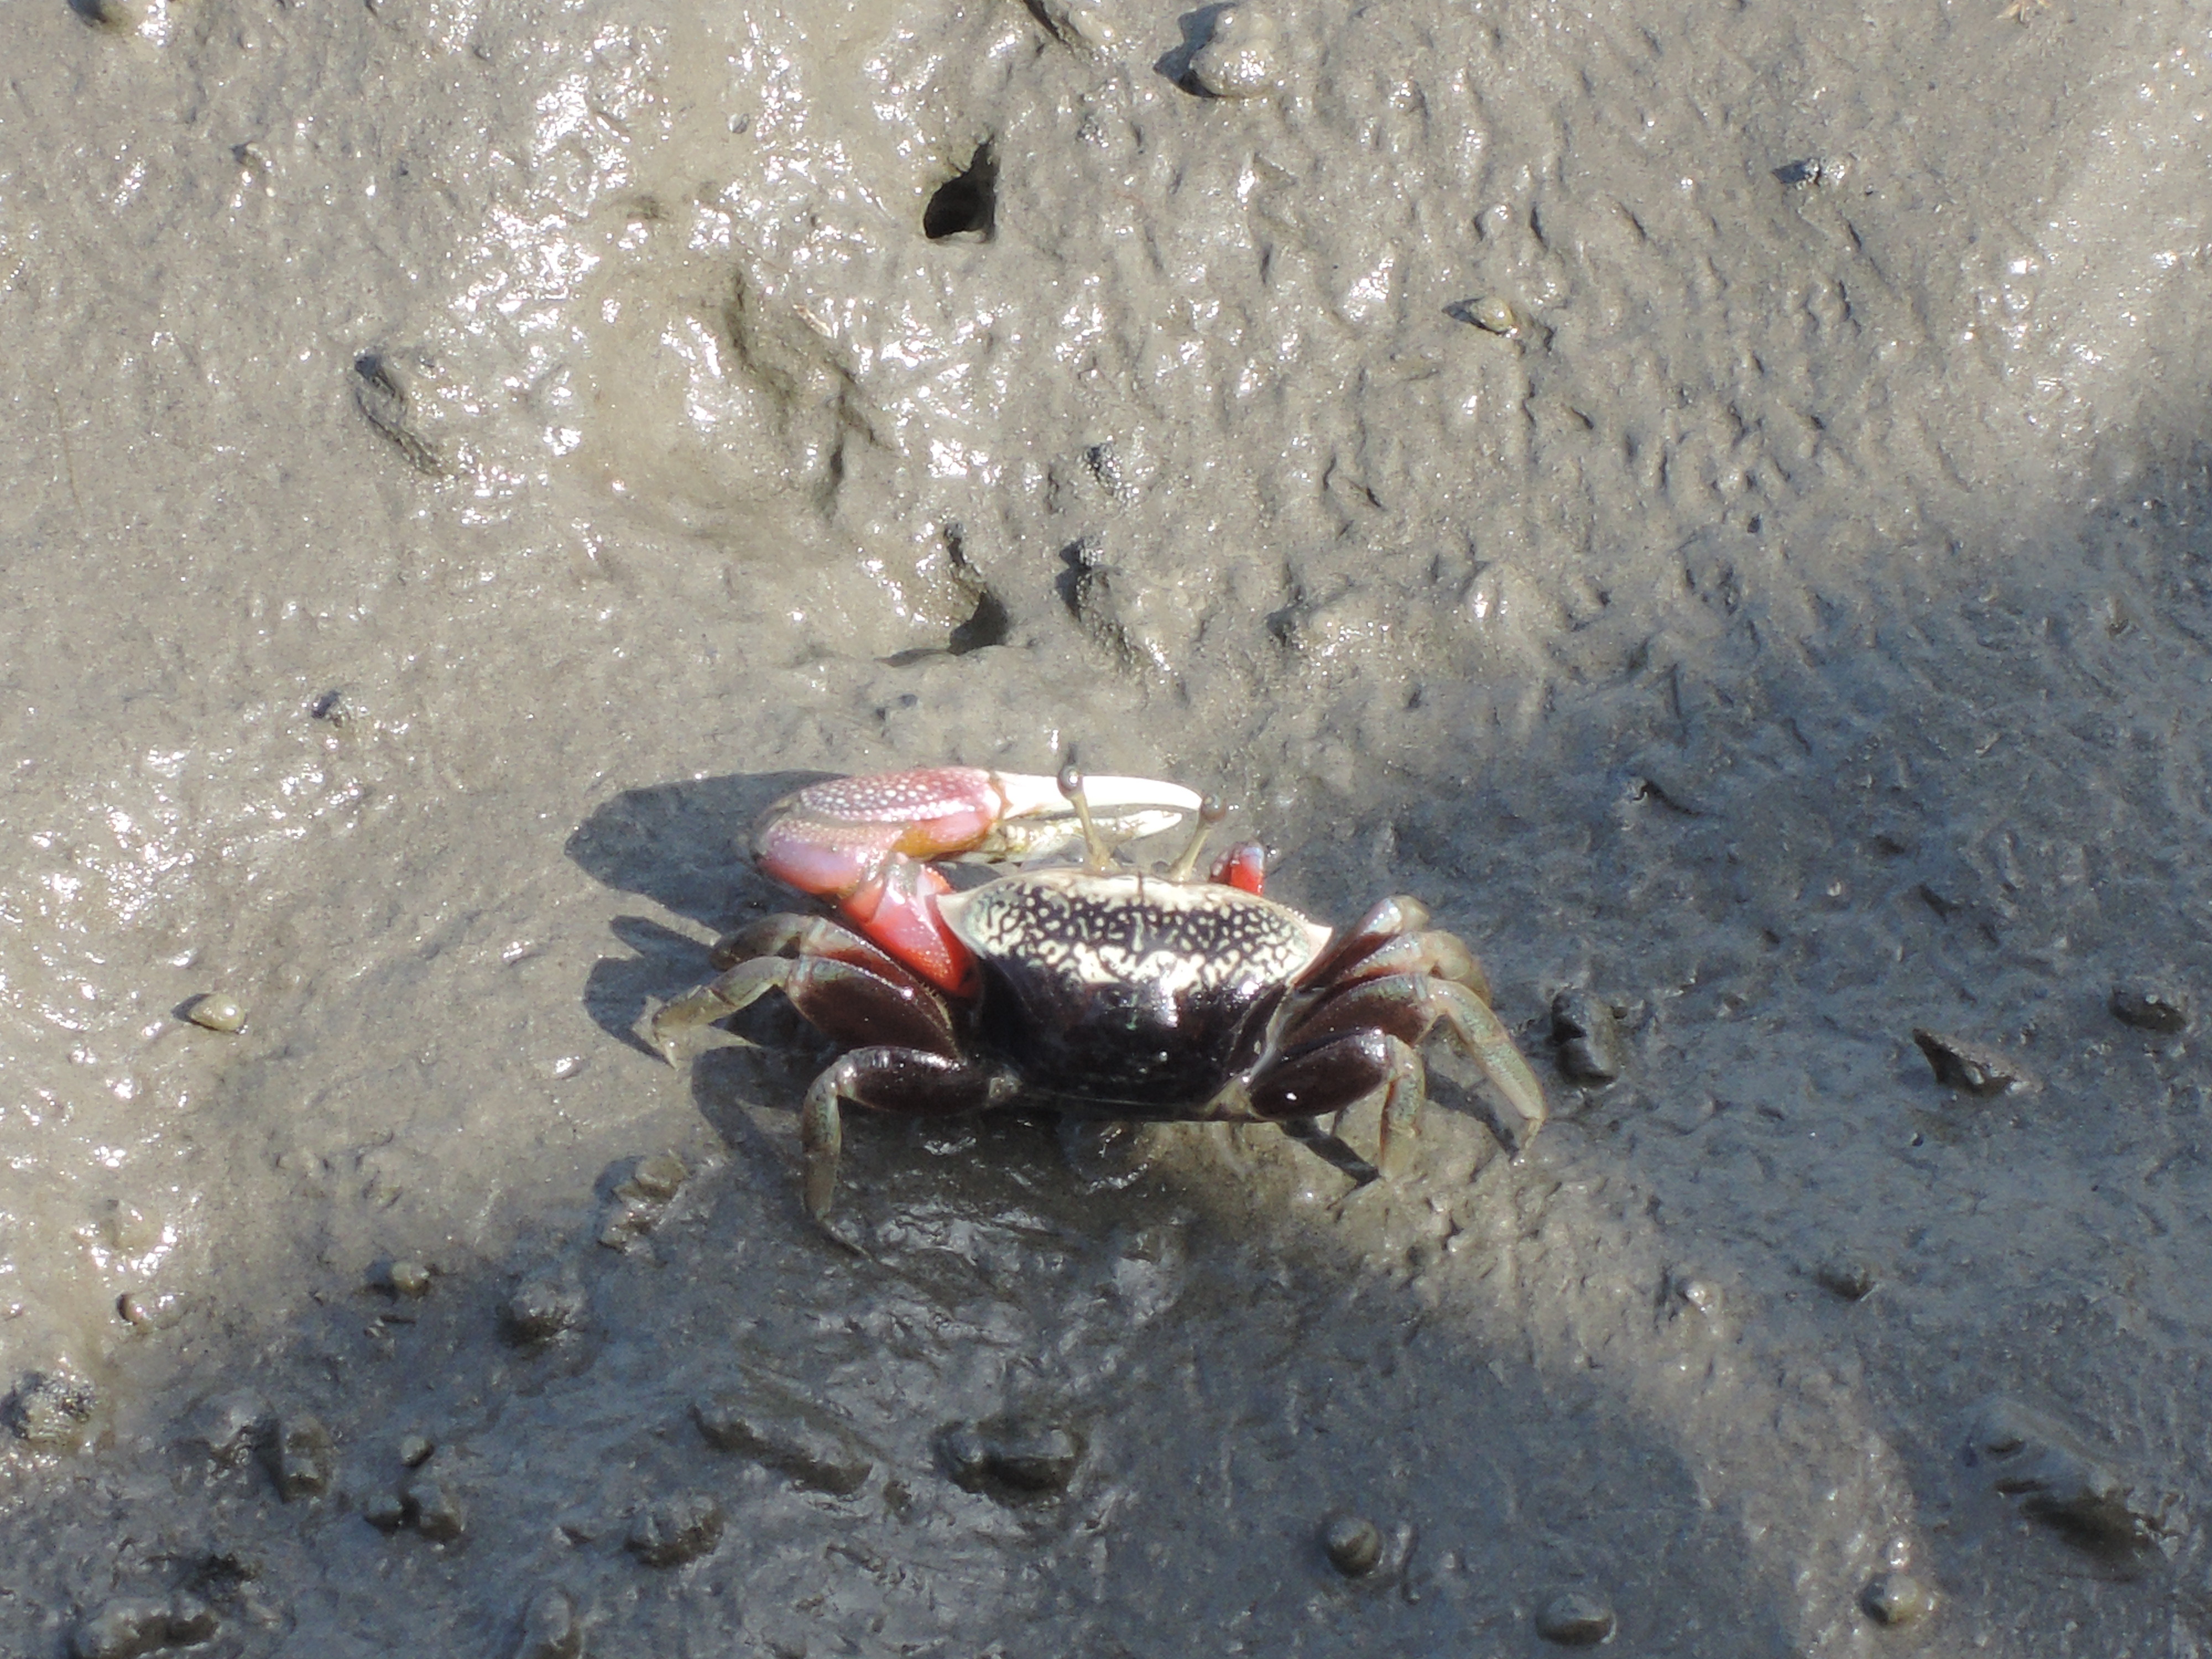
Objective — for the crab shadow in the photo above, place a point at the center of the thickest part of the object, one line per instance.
(680, 846)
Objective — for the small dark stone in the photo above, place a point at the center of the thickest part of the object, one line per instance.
(51, 1410)
(1354, 1544)
(224, 1573)
(1587, 1036)
(384, 1509)
(1575, 1618)
(545, 1307)
(301, 1459)
(550, 1629)
(190, 1621)
(1020, 1455)
(435, 1511)
(1792, 173)
(1897, 1598)
(656, 1178)
(1039, 1458)
(1847, 1277)
(676, 1531)
(124, 1627)
(628, 1221)
(786, 1435)
(121, 1627)
(402, 1278)
(2159, 1008)
(2059, 1482)
(1973, 1068)
(415, 1450)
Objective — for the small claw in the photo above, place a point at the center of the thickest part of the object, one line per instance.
(1243, 866)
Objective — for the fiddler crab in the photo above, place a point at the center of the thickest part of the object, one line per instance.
(1095, 989)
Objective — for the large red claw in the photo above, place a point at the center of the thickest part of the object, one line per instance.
(859, 841)
(864, 843)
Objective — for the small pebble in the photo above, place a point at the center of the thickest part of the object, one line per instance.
(1700, 1294)
(385, 1510)
(301, 1457)
(191, 1619)
(1241, 57)
(544, 1307)
(1575, 1618)
(50, 1410)
(1079, 23)
(1973, 1068)
(126, 1227)
(1021, 1455)
(550, 1629)
(433, 1510)
(151, 1310)
(1847, 1277)
(216, 1012)
(1587, 1035)
(406, 1278)
(786, 1435)
(415, 1450)
(1897, 1598)
(657, 1176)
(2159, 1008)
(1493, 315)
(1354, 1544)
(676, 1531)
(231, 1424)
(122, 1627)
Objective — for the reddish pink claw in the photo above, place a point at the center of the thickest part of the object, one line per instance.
(864, 842)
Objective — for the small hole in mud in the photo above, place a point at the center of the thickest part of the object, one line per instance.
(986, 627)
(966, 204)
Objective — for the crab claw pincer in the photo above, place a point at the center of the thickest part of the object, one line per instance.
(865, 843)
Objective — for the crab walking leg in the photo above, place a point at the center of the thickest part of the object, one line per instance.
(1338, 1072)
(850, 1001)
(1325, 1145)
(885, 1079)
(1484, 1039)
(740, 988)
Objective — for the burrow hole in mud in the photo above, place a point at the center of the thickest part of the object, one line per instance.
(966, 204)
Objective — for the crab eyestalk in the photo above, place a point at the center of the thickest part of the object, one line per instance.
(1096, 852)
(1211, 812)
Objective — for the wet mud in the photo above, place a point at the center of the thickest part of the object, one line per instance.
(1715, 506)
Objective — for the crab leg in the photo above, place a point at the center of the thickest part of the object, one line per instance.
(889, 1079)
(843, 985)
(864, 842)
(1482, 1037)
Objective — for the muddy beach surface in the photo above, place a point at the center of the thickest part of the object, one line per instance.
(1714, 502)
